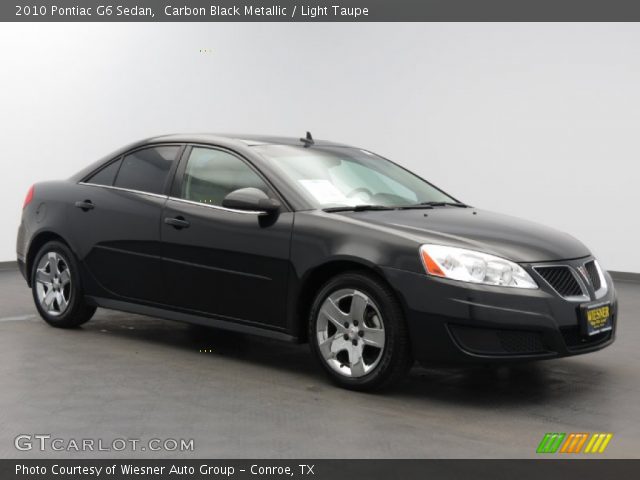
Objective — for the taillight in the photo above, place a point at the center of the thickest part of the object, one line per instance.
(28, 198)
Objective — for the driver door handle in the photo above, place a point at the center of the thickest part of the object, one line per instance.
(85, 205)
(177, 222)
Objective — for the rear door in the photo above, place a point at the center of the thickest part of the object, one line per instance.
(225, 263)
(116, 224)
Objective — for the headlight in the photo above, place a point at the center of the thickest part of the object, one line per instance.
(475, 267)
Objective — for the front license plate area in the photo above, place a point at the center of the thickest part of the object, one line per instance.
(596, 319)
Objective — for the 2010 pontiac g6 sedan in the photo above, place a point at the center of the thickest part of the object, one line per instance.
(306, 240)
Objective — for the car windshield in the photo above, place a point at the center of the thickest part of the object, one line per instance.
(343, 176)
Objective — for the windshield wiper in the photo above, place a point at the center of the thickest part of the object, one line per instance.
(417, 206)
(357, 208)
(422, 205)
(443, 204)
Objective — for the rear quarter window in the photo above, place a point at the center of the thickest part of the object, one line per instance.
(146, 170)
(106, 175)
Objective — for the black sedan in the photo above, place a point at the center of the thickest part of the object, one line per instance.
(305, 240)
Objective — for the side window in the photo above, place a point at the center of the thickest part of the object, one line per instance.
(212, 174)
(146, 170)
(107, 175)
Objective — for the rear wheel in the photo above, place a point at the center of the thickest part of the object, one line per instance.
(358, 333)
(56, 287)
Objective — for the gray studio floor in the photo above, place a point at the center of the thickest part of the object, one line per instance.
(125, 376)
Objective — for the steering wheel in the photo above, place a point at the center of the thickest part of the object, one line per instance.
(356, 191)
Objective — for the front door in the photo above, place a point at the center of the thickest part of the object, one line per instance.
(226, 263)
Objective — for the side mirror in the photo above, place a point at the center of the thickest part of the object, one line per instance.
(251, 199)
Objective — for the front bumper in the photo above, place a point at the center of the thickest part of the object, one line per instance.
(456, 322)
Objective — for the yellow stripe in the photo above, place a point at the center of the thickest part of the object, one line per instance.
(567, 442)
(590, 444)
(583, 438)
(607, 439)
(598, 442)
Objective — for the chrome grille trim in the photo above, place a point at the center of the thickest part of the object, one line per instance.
(596, 277)
(593, 274)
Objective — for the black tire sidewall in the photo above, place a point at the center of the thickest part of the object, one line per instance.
(393, 321)
(75, 300)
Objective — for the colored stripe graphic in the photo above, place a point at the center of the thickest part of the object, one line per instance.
(550, 442)
(574, 443)
(598, 443)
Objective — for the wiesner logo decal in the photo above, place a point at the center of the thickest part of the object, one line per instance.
(574, 442)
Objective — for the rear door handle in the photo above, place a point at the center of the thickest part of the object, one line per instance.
(85, 205)
(178, 222)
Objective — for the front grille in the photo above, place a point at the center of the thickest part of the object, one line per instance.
(489, 341)
(594, 275)
(561, 279)
(575, 340)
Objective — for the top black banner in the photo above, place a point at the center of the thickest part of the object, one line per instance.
(321, 11)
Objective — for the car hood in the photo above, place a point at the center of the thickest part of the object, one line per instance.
(497, 234)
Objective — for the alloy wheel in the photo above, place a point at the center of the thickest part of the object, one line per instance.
(53, 284)
(350, 333)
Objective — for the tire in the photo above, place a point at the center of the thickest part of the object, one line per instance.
(57, 289)
(368, 348)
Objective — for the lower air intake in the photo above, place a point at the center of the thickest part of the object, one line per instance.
(489, 341)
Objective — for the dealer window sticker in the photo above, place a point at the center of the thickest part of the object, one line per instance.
(326, 192)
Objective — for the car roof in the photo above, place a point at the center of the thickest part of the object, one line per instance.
(243, 139)
(241, 143)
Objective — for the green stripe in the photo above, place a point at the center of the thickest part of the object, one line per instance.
(542, 448)
(550, 442)
(557, 443)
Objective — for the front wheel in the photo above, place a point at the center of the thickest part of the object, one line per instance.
(56, 287)
(358, 333)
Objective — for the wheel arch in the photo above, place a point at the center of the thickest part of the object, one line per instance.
(319, 275)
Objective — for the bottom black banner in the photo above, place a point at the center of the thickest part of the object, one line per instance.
(318, 469)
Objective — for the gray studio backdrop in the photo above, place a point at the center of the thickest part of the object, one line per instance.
(534, 120)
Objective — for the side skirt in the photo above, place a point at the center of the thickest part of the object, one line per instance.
(189, 318)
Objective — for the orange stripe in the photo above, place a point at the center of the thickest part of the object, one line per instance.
(581, 442)
(568, 441)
